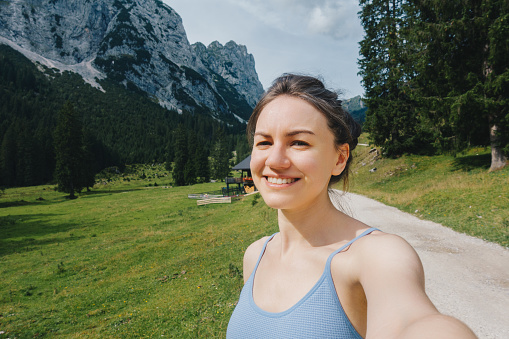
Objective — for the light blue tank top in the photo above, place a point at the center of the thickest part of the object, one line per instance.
(318, 314)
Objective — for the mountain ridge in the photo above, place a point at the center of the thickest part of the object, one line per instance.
(356, 107)
(135, 42)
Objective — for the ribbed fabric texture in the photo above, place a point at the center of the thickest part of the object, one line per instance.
(318, 314)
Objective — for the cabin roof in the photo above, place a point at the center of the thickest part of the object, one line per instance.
(244, 165)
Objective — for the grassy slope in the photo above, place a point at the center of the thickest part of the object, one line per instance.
(457, 192)
(131, 259)
(123, 261)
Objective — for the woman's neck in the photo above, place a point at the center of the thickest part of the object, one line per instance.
(315, 225)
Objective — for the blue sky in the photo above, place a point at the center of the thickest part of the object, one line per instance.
(318, 37)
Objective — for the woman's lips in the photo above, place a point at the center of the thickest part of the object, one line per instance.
(281, 181)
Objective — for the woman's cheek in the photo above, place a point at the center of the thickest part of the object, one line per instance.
(256, 164)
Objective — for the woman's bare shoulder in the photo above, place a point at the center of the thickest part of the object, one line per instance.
(383, 250)
(380, 243)
(251, 256)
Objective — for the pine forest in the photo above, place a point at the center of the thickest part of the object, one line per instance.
(436, 75)
(120, 126)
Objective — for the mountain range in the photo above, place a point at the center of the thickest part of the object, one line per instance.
(138, 43)
(132, 76)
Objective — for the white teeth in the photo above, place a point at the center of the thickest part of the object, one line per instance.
(280, 181)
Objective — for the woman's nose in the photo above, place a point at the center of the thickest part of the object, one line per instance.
(277, 157)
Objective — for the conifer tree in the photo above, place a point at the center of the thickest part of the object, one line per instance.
(90, 167)
(242, 148)
(220, 156)
(391, 120)
(69, 151)
(170, 153)
(26, 166)
(447, 68)
(190, 170)
(201, 159)
(8, 159)
(496, 80)
(181, 156)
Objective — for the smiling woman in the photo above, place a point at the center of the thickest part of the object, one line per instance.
(294, 152)
(325, 274)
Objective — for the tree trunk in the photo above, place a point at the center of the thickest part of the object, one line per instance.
(71, 193)
(498, 158)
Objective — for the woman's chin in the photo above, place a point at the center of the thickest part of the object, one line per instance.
(279, 202)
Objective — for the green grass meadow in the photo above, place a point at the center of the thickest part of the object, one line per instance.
(125, 260)
(456, 191)
(136, 258)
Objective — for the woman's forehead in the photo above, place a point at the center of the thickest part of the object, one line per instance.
(289, 111)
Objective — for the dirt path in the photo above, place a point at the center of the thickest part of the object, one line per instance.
(466, 277)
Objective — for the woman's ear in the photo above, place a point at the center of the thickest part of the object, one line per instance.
(343, 154)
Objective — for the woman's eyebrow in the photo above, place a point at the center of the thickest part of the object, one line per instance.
(263, 134)
(289, 134)
(301, 131)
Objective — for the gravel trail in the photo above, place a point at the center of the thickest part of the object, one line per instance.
(466, 277)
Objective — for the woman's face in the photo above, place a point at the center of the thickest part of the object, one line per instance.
(294, 154)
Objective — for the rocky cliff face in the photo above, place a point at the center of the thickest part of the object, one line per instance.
(140, 43)
(357, 108)
(235, 65)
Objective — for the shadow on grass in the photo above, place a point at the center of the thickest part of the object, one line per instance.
(91, 194)
(105, 192)
(21, 233)
(472, 162)
(18, 203)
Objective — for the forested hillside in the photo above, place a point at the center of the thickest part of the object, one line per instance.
(121, 125)
(356, 107)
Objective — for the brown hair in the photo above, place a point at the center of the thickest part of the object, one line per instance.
(344, 128)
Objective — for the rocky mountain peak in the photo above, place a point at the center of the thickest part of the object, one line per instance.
(139, 43)
(234, 64)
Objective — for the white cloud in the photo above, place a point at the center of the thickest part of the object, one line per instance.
(336, 19)
(318, 37)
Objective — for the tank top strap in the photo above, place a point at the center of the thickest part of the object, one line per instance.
(261, 253)
(366, 232)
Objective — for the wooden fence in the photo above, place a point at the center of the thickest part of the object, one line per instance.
(221, 200)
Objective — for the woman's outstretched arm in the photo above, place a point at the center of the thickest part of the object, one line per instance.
(393, 280)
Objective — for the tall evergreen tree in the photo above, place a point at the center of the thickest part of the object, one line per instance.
(190, 171)
(181, 156)
(69, 151)
(26, 157)
(8, 158)
(391, 120)
(242, 148)
(447, 68)
(44, 155)
(201, 159)
(220, 156)
(90, 165)
(496, 79)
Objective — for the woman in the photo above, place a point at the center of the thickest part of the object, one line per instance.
(324, 274)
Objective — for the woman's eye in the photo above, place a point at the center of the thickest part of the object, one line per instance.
(263, 143)
(299, 143)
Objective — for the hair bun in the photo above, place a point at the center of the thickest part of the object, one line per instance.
(355, 129)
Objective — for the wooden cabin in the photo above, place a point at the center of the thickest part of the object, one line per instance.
(243, 184)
